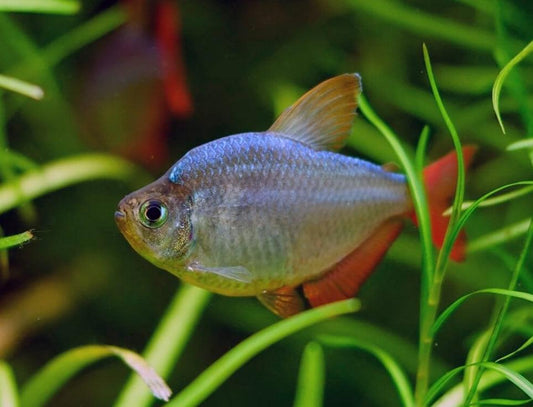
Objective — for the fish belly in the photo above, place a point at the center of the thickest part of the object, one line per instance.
(282, 210)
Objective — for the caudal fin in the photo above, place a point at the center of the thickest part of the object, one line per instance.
(440, 179)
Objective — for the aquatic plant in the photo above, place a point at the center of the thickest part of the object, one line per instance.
(491, 365)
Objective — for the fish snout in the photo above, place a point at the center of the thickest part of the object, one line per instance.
(122, 211)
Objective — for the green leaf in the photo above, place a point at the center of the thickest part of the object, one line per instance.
(514, 377)
(509, 196)
(15, 240)
(489, 379)
(212, 377)
(499, 236)
(19, 86)
(168, 342)
(310, 390)
(41, 6)
(496, 291)
(59, 370)
(518, 145)
(501, 402)
(521, 348)
(64, 172)
(395, 371)
(498, 83)
(8, 387)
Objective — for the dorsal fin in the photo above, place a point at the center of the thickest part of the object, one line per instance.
(323, 117)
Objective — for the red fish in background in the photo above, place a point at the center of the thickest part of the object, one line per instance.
(137, 83)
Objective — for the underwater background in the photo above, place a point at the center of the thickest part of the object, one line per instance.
(131, 86)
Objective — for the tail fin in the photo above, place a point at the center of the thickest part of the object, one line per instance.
(440, 179)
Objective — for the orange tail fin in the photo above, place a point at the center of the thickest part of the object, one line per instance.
(440, 179)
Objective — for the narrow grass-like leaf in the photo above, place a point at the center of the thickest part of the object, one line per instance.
(496, 291)
(82, 35)
(459, 190)
(212, 377)
(59, 370)
(489, 379)
(310, 390)
(509, 196)
(395, 371)
(168, 342)
(514, 377)
(521, 144)
(501, 402)
(15, 240)
(475, 356)
(499, 236)
(418, 21)
(415, 185)
(41, 6)
(64, 172)
(8, 387)
(421, 151)
(22, 87)
(498, 83)
(499, 319)
(525, 345)
(510, 374)
(474, 205)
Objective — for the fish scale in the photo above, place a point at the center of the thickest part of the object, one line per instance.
(264, 175)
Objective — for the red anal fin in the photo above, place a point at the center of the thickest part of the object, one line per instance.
(284, 301)
(346, 277)
(440, 179)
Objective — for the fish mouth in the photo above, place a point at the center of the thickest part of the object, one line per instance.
(119, 216)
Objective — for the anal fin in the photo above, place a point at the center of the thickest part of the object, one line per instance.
(284, 301)
(344, 279)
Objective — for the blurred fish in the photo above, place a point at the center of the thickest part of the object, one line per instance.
(137, 83)
(278, 214)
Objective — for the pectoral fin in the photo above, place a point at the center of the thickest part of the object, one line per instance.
(346, 277)
(323, 117)
(236, 273)
(285, 301)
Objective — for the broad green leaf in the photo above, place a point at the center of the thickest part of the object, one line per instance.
(212, 377)
(8, 387)
(395, 371)
(22, 87)
(15, 240)
(41, 6)
(61, 369)
(498, 83)
(310, 390)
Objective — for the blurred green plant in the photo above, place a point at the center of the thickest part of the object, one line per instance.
(24, 180)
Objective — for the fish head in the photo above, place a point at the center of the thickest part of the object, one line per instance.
(156, 222)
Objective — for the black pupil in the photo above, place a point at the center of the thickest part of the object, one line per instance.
(153, 212)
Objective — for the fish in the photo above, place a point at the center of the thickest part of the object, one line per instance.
(280, 214)
(139, 74)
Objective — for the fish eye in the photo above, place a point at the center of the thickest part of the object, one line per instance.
(153, 213)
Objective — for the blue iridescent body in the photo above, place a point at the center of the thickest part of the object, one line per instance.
(280, 209)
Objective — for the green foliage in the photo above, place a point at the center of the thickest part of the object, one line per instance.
(242, 70)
